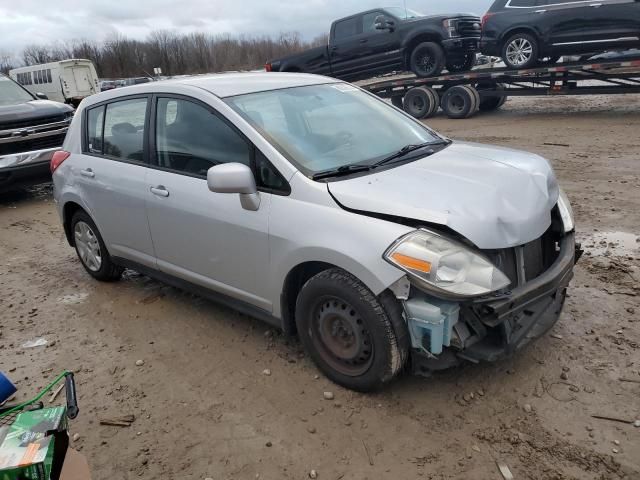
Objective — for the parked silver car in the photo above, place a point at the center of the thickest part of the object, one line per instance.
(321, 209)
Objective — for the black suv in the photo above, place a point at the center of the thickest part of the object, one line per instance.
(524, 32)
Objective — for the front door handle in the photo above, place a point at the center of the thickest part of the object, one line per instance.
(596, 5)
(160, 191)
(364, 40)
(87, 173)
(541, 11)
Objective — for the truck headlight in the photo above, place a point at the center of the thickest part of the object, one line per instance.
(566, 212)
(451, 27)
(444, 266)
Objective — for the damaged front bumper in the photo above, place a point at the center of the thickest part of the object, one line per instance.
(491, 329)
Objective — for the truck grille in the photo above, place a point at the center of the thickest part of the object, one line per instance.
(32, 123)
(469, 27)
(51, 141)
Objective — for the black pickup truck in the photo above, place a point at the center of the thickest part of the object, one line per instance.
(390, 39)
(31, 130)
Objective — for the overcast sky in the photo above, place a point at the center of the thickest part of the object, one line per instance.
(26, 22)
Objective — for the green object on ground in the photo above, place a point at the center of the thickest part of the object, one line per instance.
(28, 445)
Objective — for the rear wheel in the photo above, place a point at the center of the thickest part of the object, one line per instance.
(520, 51)
(421, 102)
(91, 249)
(488, 104)
(461, 64)
(427, 59)
(352, 337)
(460, 102)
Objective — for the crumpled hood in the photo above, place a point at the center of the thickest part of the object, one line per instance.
(32, 110)
(495, 197)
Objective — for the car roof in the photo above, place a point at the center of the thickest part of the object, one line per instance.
(224, 84)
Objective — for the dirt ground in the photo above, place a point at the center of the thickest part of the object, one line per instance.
(205, 409)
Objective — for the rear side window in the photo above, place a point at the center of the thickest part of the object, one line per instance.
(124, 129)
(95, 126)
(191, 139)
(346, 28)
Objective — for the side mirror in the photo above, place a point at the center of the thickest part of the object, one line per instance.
(380, 23)
(235, 178)
(41, 96)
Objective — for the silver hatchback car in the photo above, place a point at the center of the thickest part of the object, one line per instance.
(312, 204)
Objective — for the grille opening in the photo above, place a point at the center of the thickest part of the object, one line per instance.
(32, 122)
(51, 141)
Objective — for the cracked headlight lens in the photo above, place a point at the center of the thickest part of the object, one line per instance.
(566, 212)
(444, 266)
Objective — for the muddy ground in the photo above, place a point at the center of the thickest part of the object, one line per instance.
(204, 409)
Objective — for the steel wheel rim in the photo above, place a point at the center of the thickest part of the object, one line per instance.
(456, 103)
(519, 51)
(87, 246)
(418, 104)
(341, 337)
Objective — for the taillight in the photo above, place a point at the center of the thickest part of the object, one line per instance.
(57, 159)
(486, 18)
(267, 67)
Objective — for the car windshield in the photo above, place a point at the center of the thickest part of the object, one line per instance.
(11, 93)
(403, 13)
(326, 127)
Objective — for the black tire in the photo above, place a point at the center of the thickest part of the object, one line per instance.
(356, 339)
(489, 104)
(421, 102)
(397, 102)
(524, 42)
(461, 64)
(106, 271)
(476, 95)
(427, 60)
(460, 102)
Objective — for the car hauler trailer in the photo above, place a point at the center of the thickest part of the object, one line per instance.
(462, 95)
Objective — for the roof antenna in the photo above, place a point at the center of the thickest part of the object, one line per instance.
(406, 13)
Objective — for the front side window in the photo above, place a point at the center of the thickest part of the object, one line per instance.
(191, 139)
(324, 127)
(124, 129)
(369, 22)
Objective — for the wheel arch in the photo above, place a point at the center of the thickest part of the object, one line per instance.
(297, 275)
(519, 29)
(68, 211)
(416, 39)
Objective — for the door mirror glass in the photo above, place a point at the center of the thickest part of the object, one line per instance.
(41, 96)
(380, 23)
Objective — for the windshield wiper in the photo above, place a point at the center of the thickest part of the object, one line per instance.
(341, 171)
(407, 149)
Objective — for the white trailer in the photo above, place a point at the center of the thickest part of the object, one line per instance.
(67, 81)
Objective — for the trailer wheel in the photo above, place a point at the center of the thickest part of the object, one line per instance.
(396, 102)
(460, 102)
(489, 104)
(427, 59)
(421, 102)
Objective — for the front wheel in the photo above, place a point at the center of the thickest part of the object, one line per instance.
(427, 60)
(353, 338)
(520, 51)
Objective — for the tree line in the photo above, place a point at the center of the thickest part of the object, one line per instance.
(175, 54)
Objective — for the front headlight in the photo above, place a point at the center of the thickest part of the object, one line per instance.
(566, 212)
(444, 266)
(451, 27)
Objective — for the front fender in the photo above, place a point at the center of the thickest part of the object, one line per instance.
(318, 230)
(430, 34)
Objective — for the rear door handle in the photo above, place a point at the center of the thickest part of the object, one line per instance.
(364, 40)
(87, 173)
(160, 191)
